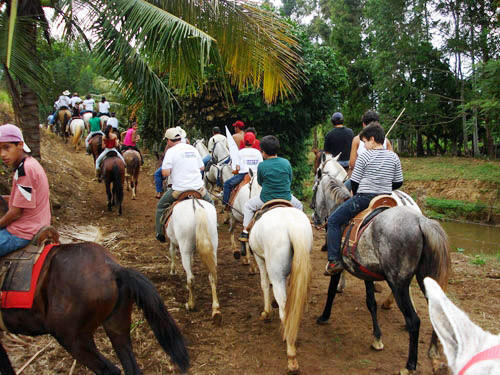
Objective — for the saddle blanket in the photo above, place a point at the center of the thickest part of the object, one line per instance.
(15, 299)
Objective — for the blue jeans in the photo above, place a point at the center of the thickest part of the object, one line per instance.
(9, 242)
(159, 180)
(345, 212)
(230, 184)
(206, 159)
(52, 120)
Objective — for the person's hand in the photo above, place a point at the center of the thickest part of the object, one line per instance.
(235, 172)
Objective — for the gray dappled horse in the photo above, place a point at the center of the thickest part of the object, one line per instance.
(398, 244)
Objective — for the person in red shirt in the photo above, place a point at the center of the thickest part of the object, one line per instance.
(29, 206)
(256, 143)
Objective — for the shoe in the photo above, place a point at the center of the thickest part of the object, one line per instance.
(333, 268)
(243, 237)
(158, 195)
(161, 238)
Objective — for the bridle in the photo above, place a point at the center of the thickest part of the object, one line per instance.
(491, 353)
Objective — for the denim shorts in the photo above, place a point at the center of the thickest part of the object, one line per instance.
(9, 242)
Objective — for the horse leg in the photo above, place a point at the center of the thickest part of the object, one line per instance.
(108, 193)
(403, 300)
(332, 291)
(172, 258)
(265, 285)
(134, 186)
(5, 365)
(216, 315)
(186, 258)
(341, 286)
(371, 303)
(117, 327)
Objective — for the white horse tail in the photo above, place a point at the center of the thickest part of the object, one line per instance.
(203, 242)
(78, 134)
(298, 286)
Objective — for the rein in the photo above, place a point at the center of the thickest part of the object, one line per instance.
(491, 353)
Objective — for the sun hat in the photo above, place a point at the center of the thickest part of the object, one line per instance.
(66, 92)
(239, 124)
(173, 134)
(249, 138)
(11, 133)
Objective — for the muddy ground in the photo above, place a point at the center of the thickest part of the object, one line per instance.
(243, 344)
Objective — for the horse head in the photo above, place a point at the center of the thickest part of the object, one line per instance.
(220, 153)
(330, 193)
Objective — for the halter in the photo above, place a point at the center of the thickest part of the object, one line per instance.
(491, 353)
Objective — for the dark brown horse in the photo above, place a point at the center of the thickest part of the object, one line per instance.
(63, 116)
(95, 146)
(113, 174)
(82, 287)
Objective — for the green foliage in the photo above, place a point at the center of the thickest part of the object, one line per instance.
(456, 208)
(478, 260)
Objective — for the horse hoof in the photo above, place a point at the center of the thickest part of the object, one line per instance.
(377, 345)
(265, 316)
(217, 318)
(293, 366)
(321, 321)
(246, 262)
(378, 288)
(236, 254)
(405, 371)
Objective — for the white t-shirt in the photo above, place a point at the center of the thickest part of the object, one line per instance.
(249, 158)
(217, 138)
(74, 100)
(113, 121)
(63, 102)
(362, 148)
(88, 104)
(104, 107)
(185, 163)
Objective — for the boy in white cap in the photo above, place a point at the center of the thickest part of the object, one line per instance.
(182, 162)
(29, 207)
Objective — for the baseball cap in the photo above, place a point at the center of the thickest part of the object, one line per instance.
(238, 124)
(173, 134)
(181, 131)
(337, 118)
(249, 138)
(11, 133)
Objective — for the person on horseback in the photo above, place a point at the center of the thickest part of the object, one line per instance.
(256, 143)
(95, 128)
(29, 206)
(130, 138)
(113, 121)
(88, 105)
(103, 107)
(216, 138)
(238, 132)
(248, 158)
(274, 174)
(339, 140)
(75, 100)
(182, 162)
(110, 143)
(377, 171)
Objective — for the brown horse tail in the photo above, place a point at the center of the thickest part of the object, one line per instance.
(147, 298)
(203, 242)
(117, 185)
(435, 261)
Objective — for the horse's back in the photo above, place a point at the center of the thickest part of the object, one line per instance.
(183, 223)
(132, 161)
(246, 192)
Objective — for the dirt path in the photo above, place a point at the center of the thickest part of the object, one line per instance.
(243, 344)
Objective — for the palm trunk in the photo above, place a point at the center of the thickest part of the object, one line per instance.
(29, 118)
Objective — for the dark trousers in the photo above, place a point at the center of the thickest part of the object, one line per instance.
(345, 212)
(230, 184)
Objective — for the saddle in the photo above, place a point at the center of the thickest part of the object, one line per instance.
(355, 228)
(269, 205)
(179, 197)
(245, 181)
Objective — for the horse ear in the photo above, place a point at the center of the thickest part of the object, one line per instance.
(337, 157)
(454, 328)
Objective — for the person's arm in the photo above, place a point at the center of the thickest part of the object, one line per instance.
(354, 187)
(166, 172)
(397, 185)
(122, 135)
(389, 145)
(103, 143)
(397, 181)
(10, 216)
(354, 153)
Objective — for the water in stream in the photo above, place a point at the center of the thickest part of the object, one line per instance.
(473, 238)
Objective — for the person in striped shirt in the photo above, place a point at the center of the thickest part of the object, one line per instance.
(377, 171)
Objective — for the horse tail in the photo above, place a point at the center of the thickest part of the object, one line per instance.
(147, 298)
(78, 134)
(298, 285)
(203, 242)
(435, 261)
(117, 184)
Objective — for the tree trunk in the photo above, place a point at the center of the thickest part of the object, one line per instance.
(420, 143)
(29, 119)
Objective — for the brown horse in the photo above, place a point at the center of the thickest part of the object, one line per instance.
(72, 300)
(133, 163)
(113, 172)
(95, 146)
(63, 116)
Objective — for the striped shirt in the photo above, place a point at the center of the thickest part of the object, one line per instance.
(376, 170)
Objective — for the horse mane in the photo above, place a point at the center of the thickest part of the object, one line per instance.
(336, 190)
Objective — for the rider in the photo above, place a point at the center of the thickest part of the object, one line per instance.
(238, 131)
(103, 107)
(338, 140)
(217, 137)
(130, 139)
(29, 206)
(248, 158)
(75, 100)
(274, 174)
(182, 162)
(256, 143)
(113, 121)
(88, 105)
(95, 128)
(377, 171)
(110, 143)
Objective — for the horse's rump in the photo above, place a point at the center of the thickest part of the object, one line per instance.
(132, 162)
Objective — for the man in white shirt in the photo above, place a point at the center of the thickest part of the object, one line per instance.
(88, 105)
(217, 137)
(113, 121)
(75, 99)
(103, 107)
(182, 163)
(64, 101)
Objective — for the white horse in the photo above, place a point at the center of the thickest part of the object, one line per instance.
(76, 129)
(199, 144)
(193, 226)
(247, 192)
(281, 241)
(220, 168)
(86, 118)
(469, 349)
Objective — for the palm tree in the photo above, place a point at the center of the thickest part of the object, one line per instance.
(143, 44)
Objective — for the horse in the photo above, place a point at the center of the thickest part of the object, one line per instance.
(281, 241)
(86, 118)
(63, 116)
(243, 195)
(199, 144)
(133, 168)
(113, 172)
(95, 146)
(193, 226)
(397, 245)
(104, 121)
(72, 300)
(76, 130)
(219, 168)
(468, 349)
